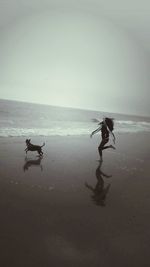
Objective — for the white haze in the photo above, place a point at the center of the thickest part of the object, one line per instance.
(65, 55)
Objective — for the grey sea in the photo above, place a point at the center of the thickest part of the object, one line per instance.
(28, 119)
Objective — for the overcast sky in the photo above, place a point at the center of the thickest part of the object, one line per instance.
(71, 56)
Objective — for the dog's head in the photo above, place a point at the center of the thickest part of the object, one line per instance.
(28, 141)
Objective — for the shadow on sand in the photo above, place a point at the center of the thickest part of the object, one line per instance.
(30, 163)
(100, 191)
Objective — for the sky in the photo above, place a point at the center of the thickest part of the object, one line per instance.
(66, 55)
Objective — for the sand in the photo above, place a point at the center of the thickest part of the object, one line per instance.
(51, 217)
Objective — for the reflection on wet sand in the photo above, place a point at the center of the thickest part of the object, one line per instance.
(99, 191)
(30, 163)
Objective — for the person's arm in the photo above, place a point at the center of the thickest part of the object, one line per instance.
(96, 131)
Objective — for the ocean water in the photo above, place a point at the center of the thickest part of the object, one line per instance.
(27, 119)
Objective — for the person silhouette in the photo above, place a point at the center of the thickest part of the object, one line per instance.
(106, 127)
(99, 191)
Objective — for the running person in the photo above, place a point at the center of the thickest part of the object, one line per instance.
(106, 127)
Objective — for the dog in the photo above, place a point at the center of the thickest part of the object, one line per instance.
(31, 147)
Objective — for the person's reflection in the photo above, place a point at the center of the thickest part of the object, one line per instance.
(29, 163)
(99, 191)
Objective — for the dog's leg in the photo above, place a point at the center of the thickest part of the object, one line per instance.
(39, 152)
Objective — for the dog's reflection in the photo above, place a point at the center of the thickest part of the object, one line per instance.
(100, 191)
(30, 163)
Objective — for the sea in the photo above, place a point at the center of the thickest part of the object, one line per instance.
(27, 119)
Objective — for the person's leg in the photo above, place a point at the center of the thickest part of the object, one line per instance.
(100, 152)
(110, 146)
(100, 148)
(105, 147)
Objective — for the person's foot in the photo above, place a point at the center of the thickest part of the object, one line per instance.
(111, 146)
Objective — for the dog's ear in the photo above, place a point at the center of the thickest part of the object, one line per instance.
(29, 140)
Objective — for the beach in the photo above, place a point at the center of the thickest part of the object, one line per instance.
(51, 217)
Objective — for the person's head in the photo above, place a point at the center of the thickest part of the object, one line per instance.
(109, 123)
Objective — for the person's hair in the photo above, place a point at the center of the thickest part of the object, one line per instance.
(110, 123)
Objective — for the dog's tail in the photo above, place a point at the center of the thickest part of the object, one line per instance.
(43, 144)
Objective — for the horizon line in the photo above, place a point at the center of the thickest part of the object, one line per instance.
(84, 109)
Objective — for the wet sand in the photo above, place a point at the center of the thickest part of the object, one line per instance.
(63, 210)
